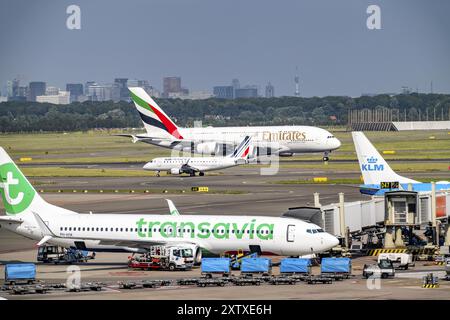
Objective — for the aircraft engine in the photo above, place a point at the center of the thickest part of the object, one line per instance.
(175, 171)
(286, 154)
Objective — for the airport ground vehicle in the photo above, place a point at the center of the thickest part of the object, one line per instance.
(164, 258)
(295, 266)
(56, 254)
(220, 266)
(399, 260)
(20, 273)
(336, 268)
(383, 269)
(447, 269)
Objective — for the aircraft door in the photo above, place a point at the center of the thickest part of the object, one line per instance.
(290, 233)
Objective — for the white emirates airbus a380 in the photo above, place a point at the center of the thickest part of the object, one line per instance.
(280, 140)
(31, 216)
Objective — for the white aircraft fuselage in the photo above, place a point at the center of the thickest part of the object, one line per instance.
(216, 234)
(287, 139)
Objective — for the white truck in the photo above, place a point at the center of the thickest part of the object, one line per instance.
(383, 269)
(164, 258)
(399, 260)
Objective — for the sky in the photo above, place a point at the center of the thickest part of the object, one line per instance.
(208, 43)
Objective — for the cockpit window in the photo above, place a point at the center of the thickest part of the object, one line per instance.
(320, 230)
(314, 231)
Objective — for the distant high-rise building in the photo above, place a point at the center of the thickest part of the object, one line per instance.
(247, 92)
(171, 85)
(122, 84)
(75, 89)
(37, 88)
(23, 92)
(51, 91)
(236, 84)
(223, 92)
(297, 83)
(87, 85)
(101, 92)
(12, 88)
(62, 97)
(270, 91)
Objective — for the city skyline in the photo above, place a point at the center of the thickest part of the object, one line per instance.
(335, 52)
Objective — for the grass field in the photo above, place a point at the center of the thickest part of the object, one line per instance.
(104, 147)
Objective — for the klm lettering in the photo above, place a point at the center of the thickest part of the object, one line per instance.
(372, 167)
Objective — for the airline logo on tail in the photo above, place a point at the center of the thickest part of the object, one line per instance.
(243, 149)
(151, 114)
(372, 165)
(17, 193)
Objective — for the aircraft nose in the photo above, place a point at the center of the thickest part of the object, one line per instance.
(334, 143)
(147, 166)
(330, 241)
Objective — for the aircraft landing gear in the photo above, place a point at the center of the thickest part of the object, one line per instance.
(192, 174)
(158, 174)
(325, 156)
(201, 174)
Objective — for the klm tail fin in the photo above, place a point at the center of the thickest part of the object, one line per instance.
(242, 150)
(372, 165)
(18, 195)
(156, 122)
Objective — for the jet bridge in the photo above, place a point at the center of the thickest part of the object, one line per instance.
(392, 213)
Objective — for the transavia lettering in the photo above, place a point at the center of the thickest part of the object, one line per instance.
(372, 167)
(205, 230)
(284, 136)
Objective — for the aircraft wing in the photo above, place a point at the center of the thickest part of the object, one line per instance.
(144, 138)
(144, 243)
(7, 219)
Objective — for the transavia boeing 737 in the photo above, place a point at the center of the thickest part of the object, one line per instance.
(191, 165)
(377, 174)
(31, 216)
(280, 140)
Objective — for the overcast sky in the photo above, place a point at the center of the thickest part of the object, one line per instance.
(208, 43)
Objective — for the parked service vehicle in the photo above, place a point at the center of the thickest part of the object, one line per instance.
(337, 268)
(164, 257)
(399, 260)
(56, 254)
(20, 273)
(383, 269)
(447, 268)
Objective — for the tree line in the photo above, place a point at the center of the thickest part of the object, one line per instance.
(18, 116)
